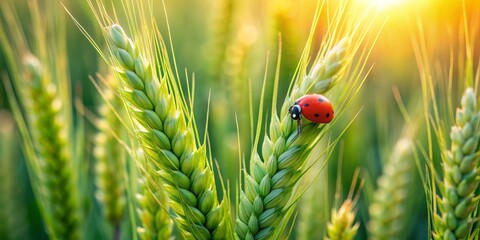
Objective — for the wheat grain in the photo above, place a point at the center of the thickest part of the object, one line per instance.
(168, 143)
(461, 173)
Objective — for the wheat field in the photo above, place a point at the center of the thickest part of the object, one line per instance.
(225, 119)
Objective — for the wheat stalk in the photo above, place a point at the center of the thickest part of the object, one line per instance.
(169, 143)
(342, 225)
(388, 210)
(268, 187)
(461, 173)
(110, 158)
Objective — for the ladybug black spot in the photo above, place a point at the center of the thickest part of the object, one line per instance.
(316, 114)
(306, 105)
(320, 99)
(328, 115)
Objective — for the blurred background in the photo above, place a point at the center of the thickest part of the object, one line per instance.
(225, 44)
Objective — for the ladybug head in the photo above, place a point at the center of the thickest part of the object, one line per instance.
(295, 111)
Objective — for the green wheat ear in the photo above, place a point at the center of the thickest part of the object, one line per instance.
(110, 158)
(39, 95)
(156, 223)
(46, 123)
(168, 141)
(461, 173)
(152, 208)
(388, 210)
(273, 174)
(313, 213)
(342, 225)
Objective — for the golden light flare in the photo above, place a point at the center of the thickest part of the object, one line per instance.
(388, 3)
(393, 6)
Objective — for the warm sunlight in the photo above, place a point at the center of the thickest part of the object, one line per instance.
(239, 120)
(388, 3)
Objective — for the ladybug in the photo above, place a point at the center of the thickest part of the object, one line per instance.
(314, 107)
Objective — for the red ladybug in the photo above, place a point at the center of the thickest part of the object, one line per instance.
(313, 107)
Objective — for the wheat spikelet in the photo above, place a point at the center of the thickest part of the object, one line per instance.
(156, 222)
(325, 73)
(169, 143)
(342, 225)
(461, 173)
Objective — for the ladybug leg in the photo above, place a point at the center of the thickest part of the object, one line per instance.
(300, 126)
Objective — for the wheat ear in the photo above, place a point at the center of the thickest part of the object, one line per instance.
(49, 136)
(110, 158)
(156, 221)
(461, 173)
(342, 225)
(169, 143)
(388, 210)
(269, 184)
(152, 208)
(313, 214)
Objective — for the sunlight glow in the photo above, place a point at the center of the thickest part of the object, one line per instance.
(387, 3)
